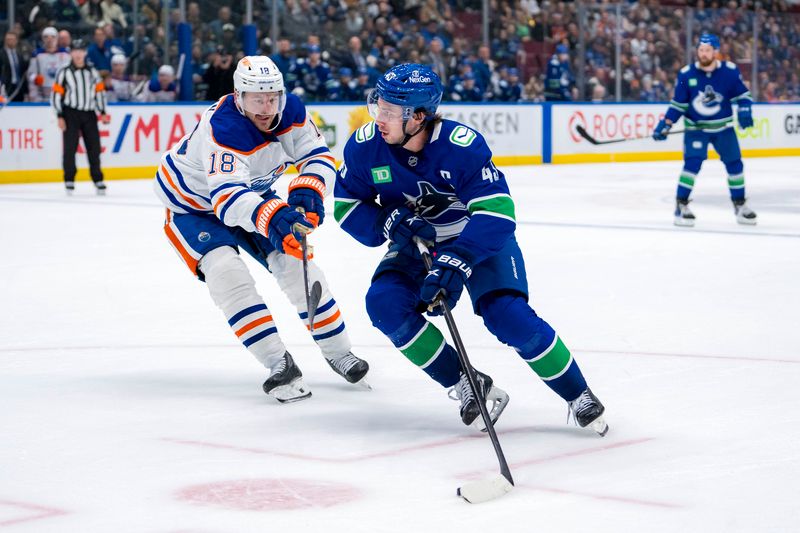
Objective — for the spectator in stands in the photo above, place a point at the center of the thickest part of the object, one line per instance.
(483, 67)
(467, 90)
(163, 88)
(509, 88)
(119, 86)
(101, 50)
(435, 58)
(283, 58)
(219, 75)
(310, 77)
(151, 60)
(113, 14)
(92, 12)
(66, 13)
(12, 69)
(64, 39)
(362, 86)
(559, 82)
(217, 26)
(355, 58)
(353, 20)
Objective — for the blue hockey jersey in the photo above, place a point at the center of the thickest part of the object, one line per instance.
(451, 183)
(705, 98)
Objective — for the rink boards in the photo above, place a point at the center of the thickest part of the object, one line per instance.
(524, 134)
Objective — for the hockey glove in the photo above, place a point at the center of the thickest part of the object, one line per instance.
(307, 193)
(446, 277)
(744, 115)
(661, 131)
(401, 225)
(283, 226)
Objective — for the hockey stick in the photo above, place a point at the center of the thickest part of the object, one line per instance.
(481, 490)
(585, 134)
(312, 296)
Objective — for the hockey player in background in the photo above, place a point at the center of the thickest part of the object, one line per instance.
(703, 96)
(559, 84)
(411, 174)
(216, 183)
(45, 63)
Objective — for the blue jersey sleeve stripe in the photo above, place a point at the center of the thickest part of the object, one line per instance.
(182, 181)
(172, 197)
(230, 201)
(315, 151)
(330, 334)
(322, 309)
(320, 162)
(244, 312)
(225, 186)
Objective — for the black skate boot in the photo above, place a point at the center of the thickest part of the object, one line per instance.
(100, 187)
(683, 215)
(285, 381)
(588, 411)
(350, 367)
(496, 400)
(69, 186)
(744, 215)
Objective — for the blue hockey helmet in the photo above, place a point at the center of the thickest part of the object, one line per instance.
(344, 71)
(412, 86)
(709, 38)
(562, 49)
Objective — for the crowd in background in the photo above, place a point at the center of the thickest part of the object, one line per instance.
(334, 50)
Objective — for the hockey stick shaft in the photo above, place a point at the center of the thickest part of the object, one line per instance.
(585, 134)
(304, 245)
(468, 369)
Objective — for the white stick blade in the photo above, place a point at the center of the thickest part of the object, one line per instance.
(484, 490)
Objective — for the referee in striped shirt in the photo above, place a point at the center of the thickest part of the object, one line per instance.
(78, 96)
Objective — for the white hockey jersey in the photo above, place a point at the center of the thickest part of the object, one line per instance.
(227, 166)
(42, 72)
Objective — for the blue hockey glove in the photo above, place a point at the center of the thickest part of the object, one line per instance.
(446, 276)
(401, 225)
(283, 226)
(744, 115)
(307, 193)
(662, 128)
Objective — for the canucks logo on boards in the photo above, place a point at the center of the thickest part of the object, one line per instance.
(707, 102)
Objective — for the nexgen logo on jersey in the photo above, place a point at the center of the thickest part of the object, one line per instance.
(381, 175)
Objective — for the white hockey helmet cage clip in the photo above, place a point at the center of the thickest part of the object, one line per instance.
(258, 74)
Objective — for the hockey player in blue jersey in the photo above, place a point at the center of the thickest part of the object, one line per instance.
(703, 96)
(217, 186)
(559, 84)
(411, 174)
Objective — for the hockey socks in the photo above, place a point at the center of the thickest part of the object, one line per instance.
(424, 345)
(556, 366)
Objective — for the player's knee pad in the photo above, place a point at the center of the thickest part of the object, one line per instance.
(734, 167)
(391, 300)
(509, 318)
(226, 275)
(692, 164)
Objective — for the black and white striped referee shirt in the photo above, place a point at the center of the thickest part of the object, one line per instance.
(78, 88)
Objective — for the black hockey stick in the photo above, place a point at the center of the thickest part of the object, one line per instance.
(585, 134)
(485, 489)
(312, 296)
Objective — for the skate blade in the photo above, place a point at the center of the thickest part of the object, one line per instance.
(746, 221)
(682, 222)
(599, 425)
(293, 392)
(499, 400)
(363, 384)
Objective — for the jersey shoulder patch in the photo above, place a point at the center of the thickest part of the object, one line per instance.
(685, 69)
(462, 136)
(730, 65)
(230, 129)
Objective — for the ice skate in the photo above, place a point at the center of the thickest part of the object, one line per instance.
(744, 215)
(285, 381)
(683, 215)
(69, 187)
(100, 187)
(496, 400)
(588, 411)
(351, 368)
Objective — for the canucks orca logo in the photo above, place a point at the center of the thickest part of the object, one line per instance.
(708, 102)
(264, 183)
(432, 203)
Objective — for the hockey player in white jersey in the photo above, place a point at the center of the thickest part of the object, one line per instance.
(217, 186)
(45, 63)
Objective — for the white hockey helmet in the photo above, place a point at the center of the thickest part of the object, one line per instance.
(258, 74)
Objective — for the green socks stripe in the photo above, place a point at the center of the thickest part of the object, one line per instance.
(425, 347)
(553, 362)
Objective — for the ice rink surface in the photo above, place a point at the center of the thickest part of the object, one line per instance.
(127, 405)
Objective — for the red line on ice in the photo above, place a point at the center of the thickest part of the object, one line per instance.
(44, 512)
